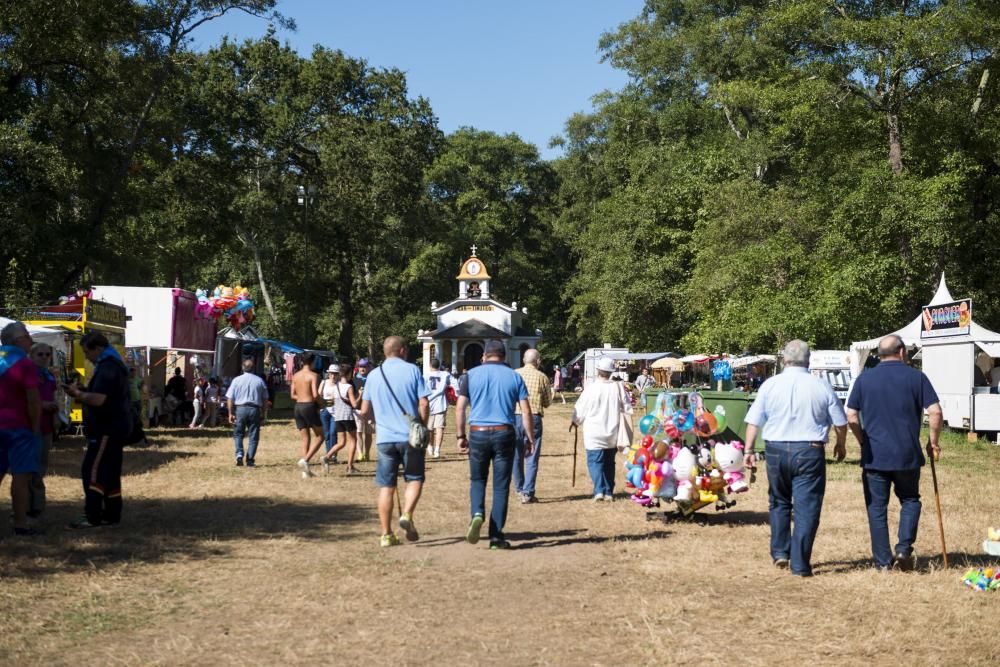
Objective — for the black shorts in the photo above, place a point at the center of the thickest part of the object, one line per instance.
(307, 416)
(346, 426)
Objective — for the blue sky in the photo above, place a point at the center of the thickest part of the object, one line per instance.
(518, 66)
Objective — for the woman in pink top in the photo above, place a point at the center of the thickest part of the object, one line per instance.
(41, 354)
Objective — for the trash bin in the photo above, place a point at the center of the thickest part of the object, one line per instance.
(736, 404)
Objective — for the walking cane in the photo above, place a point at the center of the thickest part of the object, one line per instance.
(576, 432)
(399, 504)
(937, 502)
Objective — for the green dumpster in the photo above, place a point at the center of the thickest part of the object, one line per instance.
(736, 404)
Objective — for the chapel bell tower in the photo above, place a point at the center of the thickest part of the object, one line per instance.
(473, 279)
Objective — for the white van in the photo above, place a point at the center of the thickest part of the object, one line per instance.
(834, 366)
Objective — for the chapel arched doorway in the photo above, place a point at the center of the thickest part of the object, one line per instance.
(473, 356)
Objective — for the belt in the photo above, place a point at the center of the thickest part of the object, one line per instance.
(248, 405)
(497, 427)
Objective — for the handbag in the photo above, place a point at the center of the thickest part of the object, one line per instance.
(419, 434)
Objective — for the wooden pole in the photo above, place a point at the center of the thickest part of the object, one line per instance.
(576, 433)
(937, 502)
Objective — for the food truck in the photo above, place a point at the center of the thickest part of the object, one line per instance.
(946, 341)
(77, 316)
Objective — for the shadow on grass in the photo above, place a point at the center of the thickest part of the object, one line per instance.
(710, 517)
(561, 538)
(563, 499)
(958, 560)
(66, 462)
(172, 530)
(555, 538)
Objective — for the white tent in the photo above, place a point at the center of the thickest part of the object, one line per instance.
(57, 338)
(988, 341)
(949, 363)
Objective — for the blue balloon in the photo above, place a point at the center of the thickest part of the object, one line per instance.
(649, 425)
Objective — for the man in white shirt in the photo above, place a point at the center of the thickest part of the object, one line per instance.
(599, 409)
(437, 382)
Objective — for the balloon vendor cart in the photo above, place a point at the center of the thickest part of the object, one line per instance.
(691, 452)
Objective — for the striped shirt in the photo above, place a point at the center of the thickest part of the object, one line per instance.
(539, 389)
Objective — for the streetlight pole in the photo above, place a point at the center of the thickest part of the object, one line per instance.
(305, 196)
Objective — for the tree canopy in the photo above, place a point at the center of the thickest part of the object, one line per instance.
(773, 169)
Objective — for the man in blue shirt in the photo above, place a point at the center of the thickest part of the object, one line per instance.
(393, 391)
(246, 399)
(796, 410)
(492, 389)
(891, 399)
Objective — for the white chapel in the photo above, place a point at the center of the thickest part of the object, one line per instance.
(466, 323)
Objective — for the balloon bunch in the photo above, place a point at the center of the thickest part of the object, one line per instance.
(668, 421)
(662, 467)
(233, 303)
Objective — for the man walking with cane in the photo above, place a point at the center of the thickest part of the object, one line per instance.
(891, 398)
(798, 409)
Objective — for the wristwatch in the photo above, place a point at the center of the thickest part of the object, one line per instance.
(460, 436)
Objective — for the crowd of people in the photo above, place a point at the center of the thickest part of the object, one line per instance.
(499, 418)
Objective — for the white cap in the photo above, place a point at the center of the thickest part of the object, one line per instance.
(333, 369)
(606, 364)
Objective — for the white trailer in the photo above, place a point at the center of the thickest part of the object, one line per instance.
(948, 358)
(834, 366)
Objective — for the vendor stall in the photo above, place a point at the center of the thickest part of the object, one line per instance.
(949, 341)
(165, 330)
(668, 371)
(76, 316)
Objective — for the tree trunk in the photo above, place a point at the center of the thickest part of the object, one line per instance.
(895, 142)
(345, 285)
(983, 81)
(263, 289)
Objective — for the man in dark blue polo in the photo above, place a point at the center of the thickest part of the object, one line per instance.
(492, 390)
(890, 400)
(107, 421)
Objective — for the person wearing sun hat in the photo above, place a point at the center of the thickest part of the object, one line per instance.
(328, 392)
(599, 411)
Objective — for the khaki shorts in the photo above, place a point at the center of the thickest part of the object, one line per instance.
(436, 421)
(364, 426)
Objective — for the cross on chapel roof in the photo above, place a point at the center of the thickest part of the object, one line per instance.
(473, 249)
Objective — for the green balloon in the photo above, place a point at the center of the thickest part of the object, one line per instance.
(720, 417)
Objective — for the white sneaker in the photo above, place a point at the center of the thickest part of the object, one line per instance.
(305, 469)
(598, 497)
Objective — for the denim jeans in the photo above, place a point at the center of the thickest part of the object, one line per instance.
(496, 447)
(526, 467)
(248, 422)
(329, 429)
(906, 484)
(796, 475)
(601, 465)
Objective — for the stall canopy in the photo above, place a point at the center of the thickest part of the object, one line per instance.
(986, 340)
(698, 358)
(634, 356)
(742, 362)
(668, 363)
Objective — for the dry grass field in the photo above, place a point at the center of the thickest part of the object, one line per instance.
(233, 566)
